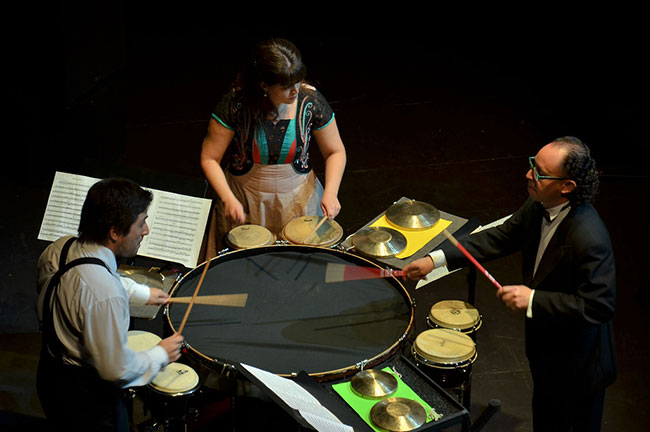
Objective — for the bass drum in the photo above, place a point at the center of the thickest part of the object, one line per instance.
(293, 321)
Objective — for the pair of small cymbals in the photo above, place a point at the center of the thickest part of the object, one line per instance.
(385, 242)
(392, 413)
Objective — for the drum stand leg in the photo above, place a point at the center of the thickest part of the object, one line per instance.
(493, 407)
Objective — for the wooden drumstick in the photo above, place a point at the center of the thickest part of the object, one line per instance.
(235, 300)
(196, 291)
(471, 258)
(322, 221)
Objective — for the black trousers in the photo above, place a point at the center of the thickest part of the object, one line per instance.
(561, 405)
(76, 399)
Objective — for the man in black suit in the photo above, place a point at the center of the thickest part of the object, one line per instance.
(569, 288)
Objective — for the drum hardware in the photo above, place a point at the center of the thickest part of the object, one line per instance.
(398, 414)
(373, 383)
(411, 214)
(379, 242)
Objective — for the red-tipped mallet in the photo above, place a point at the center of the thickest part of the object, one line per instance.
(471, 258)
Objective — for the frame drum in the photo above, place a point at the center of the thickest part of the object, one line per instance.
(455, 315)
(248, 236)
(297, 229)
(445, 355)
(293, 321)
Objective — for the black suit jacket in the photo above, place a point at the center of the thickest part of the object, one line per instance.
(570, 333)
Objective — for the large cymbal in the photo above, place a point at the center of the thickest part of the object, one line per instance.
(413, 215)
(374, 383)
(379, 241)
(398, 414)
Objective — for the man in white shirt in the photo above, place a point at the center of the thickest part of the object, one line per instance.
(568, 292)
(83, 308)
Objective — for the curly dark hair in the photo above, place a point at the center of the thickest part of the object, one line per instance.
(580, 167)
(111, 203)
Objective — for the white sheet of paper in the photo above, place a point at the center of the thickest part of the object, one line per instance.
(176, 222)
(299, 399)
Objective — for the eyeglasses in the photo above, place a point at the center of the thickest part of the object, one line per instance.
(537, 175)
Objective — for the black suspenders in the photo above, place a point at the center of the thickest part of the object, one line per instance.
(50, 338)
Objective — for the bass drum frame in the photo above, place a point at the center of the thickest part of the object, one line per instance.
(299, 271)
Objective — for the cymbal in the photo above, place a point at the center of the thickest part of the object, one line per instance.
(374, 383)
(398, 414)
(413, 214)
(379, 241)
(143, 276)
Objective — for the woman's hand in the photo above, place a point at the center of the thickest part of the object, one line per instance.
(330, 205)
(234, 211)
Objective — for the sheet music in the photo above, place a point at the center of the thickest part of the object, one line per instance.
(176, 222)
(299, 399)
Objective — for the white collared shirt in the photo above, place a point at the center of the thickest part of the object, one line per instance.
(97, 306)
(556, 215)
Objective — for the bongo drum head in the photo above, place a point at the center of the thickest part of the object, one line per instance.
(175, 378)
(445, 346)
(248, 236)
(454, 314)
(139, 340)
(328, 234)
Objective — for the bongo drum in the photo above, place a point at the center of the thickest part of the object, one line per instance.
(445, 355)
(455, 315)
(139, 340)
(170, 392)
(296, 231)
(248, 236)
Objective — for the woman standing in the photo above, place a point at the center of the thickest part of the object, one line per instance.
(262, 131)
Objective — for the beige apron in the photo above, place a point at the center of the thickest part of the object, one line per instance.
(272, 195)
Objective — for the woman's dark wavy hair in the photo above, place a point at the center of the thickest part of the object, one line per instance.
(581, 168)
(274, 61)
(111, 203)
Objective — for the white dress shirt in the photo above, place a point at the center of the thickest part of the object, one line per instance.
(97, 305)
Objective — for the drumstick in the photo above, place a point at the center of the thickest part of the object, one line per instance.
(196, 291)
(342, 272)
(236, 300)
(315, 229)
(471, 258)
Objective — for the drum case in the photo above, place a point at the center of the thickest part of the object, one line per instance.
(453, 412)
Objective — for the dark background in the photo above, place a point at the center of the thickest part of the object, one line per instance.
(433, 106)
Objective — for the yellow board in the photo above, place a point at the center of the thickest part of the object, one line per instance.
(415, 239)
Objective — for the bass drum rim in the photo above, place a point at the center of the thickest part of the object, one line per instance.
(224, 365)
